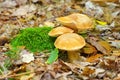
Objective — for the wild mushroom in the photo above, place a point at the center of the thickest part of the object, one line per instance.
(72, 43)
(76, 21)
(59, 31)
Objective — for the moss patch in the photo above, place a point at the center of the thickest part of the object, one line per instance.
(34, 39)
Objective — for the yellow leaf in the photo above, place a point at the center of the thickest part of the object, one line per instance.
(101, 22)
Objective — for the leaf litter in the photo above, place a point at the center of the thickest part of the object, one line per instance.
(99, 58)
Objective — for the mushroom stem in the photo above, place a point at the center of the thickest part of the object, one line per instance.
(73, 56)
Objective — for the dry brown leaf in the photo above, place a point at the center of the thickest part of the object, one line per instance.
(70, 65)
(115, 43)
(104, 0)
(8, 3)
(45, 2)
(48, 23)
(27, 77)
(108, 15)
(87, 71)
(110, 63)
(78, 7)
(89, 49)
(21, 2)
(116, 34)
(94, 58)
(106, 45)
(2, 30)
(47, 76)
(117, 78)
(101, 45)
(3, 40)
(63, 76)
(116, 53)
(24, 10)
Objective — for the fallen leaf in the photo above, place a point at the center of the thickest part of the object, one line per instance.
(106, 45)
(8, 3)
(108, 15)
(116, 35)
(101, 22)
(47, 23)
(102, 27)
(94, 58)
(21, 2)
(35, 1)
(116, 53)
(93, 10)
(63, 76)
(24, 10)
(71, 65)
(2, 30)
(117, 78)
(27, 77)
(110, 63)
(104, 0)
(45, 2)
(101, 46)
(26, 56)
(3, 40)
(47, 76)
(115, 14)
(78, 7)
(98, 71)
(89, 49)
(88, 71)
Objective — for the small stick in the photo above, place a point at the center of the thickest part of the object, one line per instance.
(14, 75)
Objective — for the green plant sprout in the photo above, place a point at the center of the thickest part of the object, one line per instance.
(53, 56)
(34, 39)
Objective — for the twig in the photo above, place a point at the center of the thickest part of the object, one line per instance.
(14, 75)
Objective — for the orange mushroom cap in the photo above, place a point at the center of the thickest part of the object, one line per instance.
(70, 42)
(59, 31)
(76, 21)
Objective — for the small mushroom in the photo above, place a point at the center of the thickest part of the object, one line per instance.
(76, 21)
(72, 43)
(59, 31)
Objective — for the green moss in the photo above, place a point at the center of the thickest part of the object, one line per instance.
(34, 39)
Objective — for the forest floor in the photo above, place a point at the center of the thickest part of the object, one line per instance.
(99, 59)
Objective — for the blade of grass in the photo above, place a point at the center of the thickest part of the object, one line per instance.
(53, 56)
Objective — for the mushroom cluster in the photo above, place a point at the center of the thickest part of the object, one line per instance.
(71, 42)
(67, 37)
